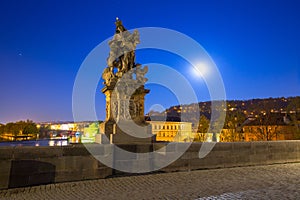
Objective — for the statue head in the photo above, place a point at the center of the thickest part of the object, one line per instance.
(119, 26)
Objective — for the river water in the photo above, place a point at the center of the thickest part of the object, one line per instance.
(44, 142)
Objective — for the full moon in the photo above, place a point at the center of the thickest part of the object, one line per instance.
(200, 69)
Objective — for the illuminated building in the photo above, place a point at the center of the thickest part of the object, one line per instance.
(170, 131)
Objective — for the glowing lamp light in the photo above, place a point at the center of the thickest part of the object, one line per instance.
(51, 143)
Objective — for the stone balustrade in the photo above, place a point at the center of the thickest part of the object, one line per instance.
(27, 166)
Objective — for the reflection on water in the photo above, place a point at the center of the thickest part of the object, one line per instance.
(58, 142)
(46, 142)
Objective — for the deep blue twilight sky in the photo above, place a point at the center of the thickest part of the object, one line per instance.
(254, 43)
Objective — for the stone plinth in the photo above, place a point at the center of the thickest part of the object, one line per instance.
(125, 133)
(125, 123)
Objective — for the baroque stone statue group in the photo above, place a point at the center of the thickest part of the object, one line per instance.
(121, 58)
(124, 89)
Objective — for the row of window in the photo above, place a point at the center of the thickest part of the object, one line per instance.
(165, 134)
(168, 127)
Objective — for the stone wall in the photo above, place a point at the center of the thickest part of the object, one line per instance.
(25, 166)
(237, 154)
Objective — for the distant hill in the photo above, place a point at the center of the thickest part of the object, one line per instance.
(242, 108)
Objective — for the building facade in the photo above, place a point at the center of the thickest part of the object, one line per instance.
(167, 131)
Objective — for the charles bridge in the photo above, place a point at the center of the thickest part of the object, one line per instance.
(29, 166)
(250, 168)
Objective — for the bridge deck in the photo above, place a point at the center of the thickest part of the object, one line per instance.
(280, 181)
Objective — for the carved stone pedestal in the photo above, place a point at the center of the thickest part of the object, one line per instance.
(125, 123)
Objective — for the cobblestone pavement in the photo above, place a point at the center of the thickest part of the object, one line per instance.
(281, 181)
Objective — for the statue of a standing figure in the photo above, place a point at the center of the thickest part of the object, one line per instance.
(122, 46)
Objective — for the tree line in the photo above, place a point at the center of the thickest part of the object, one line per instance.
(19, 128)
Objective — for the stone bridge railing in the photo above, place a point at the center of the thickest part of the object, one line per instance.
(27, 166)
